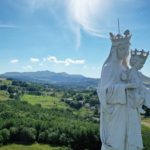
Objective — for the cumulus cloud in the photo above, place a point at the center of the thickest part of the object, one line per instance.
(66, 62)
(34, 60)
(27, 68)
(14, 61)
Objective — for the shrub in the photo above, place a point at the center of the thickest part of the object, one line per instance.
(14, 134)
(5, 135)
(53, 138)
(42, 137)
(28, 135)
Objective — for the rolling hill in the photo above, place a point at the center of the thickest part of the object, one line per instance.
(59, 79)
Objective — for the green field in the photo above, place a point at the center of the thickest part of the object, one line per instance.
(5, 82)
(4, 96)
(84, 112)
(146, 137)
(54, 102)
(147, 120)
(30, 147)
(44, 101)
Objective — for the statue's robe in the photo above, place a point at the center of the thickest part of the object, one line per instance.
(120, 125)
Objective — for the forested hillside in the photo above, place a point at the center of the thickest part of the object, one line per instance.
(47, 114)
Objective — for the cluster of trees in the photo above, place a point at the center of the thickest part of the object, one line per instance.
(14, 92)
(77, 99)
(17, 88)
(25, 123)
(72, 103)
(28, 87)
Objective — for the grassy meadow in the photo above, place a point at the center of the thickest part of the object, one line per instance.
(31, 147)
(4, 96)
(146, 137)
(44, 100)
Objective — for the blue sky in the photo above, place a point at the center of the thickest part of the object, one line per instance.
(68, 35)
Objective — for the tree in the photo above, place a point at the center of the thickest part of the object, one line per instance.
(11, 89)
(14, 134)
(42, 137)
(147, 111)
(28, 135)
(53, 137)
(1, 139)
(78, 97)
(3, 87)
(5, 135)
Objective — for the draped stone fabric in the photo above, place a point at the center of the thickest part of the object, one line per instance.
(119, 123)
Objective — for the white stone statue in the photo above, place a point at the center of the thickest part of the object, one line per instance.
(120, 127)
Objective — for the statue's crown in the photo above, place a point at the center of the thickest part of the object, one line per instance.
(141, 54)
(120, 39)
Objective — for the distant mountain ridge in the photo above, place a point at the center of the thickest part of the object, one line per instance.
(59, 79)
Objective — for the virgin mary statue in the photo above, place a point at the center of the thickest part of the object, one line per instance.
(119, 123)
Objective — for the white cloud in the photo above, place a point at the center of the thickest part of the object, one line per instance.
(14, 61)
(27, 68)
(66, 62)
(69, 61)
(99, 17)
(53, 59)
(34, 60)
(86, 14)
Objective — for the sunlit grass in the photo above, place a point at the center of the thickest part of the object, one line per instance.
(31, 147)
(146, 137)
(44, 101)
(6, 82)
(4, 96)
(84, 112)
(147, 120)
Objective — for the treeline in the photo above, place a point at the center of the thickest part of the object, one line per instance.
(17, 88)
(24, 123)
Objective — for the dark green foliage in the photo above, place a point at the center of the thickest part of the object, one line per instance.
(53, 137)
(25, 123)
(3, 87)
(4, 136)
(12, 89)
(14, 134)
(147, 111)
(64, 139)
(78, 97)
(16, 83)
(74, 104)
(42, 137)
(1, 139)
(27, 135)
